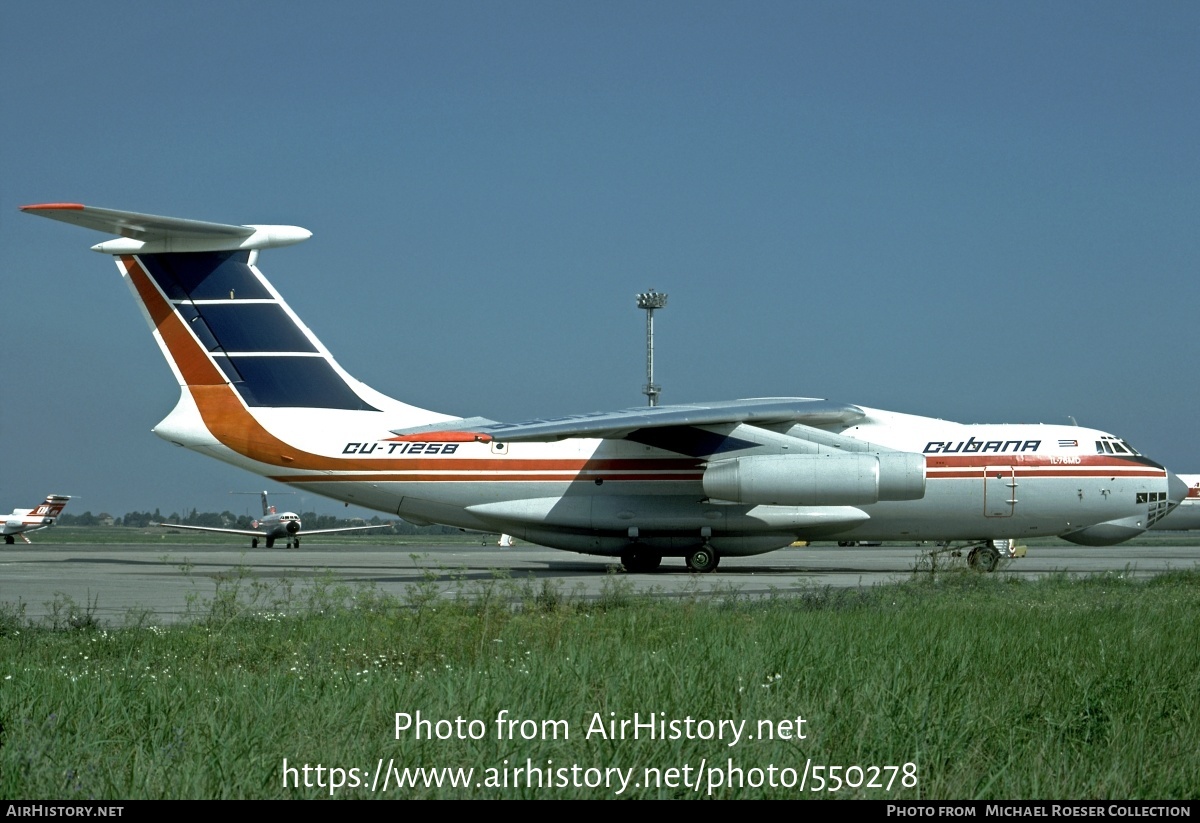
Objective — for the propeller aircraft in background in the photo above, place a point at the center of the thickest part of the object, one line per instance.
(273, 526)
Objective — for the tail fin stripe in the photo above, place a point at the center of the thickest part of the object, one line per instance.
(195, 366)
(304, 382)
(256, 346)
(205, 275)
(198, 326)
(253, 327)
(231, 373)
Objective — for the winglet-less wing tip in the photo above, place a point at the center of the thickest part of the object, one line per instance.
(52, 206)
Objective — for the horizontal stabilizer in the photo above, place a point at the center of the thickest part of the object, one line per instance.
(149, 233)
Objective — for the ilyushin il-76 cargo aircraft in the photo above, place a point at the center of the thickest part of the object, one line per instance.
(697, 481)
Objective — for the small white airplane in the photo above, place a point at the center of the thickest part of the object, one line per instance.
(273, 526)
(697, 481)
(1186, 516)
(22, 521)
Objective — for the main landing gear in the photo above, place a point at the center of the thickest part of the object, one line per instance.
(293, 542)
(982, 556)
(703, 559)
(637, 560)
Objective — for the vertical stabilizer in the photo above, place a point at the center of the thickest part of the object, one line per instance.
(255, 379)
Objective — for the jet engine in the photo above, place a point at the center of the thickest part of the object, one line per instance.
(817, 479)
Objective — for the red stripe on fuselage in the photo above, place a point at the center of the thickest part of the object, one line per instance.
(451, 476)
(1063, 475)
(1027, 460)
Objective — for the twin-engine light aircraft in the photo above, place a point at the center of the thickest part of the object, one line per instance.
(273, 526)
(697, 481)
(32, 520)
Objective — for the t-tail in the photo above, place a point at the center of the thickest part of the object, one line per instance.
(50, 508)
(39, 517)
(258, 389)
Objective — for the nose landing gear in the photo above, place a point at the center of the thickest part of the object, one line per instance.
(984, 558)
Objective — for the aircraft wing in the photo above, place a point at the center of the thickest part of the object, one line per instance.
(247, 532)
(764, 411)
(307, 532)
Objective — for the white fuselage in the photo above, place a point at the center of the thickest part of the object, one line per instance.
(281, 524)
(982, 482)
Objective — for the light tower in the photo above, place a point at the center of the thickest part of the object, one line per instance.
(650, 301)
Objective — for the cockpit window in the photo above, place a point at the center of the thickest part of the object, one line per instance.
(1112, 445)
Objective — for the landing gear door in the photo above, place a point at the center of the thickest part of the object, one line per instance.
(999, 491)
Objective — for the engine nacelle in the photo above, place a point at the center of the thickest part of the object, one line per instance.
(817, 479)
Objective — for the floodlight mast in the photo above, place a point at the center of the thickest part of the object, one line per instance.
(651, 300)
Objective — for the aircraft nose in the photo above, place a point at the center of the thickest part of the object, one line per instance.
(293, 526)
(1177, 490)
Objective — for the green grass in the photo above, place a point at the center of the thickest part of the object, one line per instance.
(991, 687)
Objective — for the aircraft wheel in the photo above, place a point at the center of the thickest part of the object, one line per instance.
(637, 561)
(8, 539)
(983, 559)
(296, 542)
(703, 560)
(270, 542)
(254, 542)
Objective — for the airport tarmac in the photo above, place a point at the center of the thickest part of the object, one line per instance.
(165, 583)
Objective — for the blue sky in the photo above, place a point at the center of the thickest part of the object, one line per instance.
(981, 212)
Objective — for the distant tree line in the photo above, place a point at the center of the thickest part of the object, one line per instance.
(229, 520)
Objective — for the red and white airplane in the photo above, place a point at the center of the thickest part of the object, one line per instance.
(1186, 515)
(273, 526)
(22, 521)
(697, 481)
